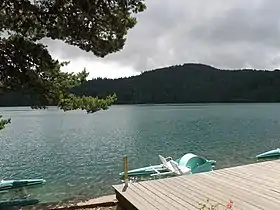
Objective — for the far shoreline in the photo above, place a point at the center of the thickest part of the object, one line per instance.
(160, 104)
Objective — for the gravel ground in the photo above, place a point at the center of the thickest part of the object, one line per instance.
(109, 200)
(105, 208)
(97, 208)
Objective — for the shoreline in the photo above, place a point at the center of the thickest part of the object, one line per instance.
(163, 104)
(102, 203)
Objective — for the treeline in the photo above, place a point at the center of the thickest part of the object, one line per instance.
(186, 83)
(189, 83)
(17, 99)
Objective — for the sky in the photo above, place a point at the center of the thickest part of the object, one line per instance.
(230, 34)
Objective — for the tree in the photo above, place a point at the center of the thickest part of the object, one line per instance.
(3, 122)
(195, 83)
(97, 26)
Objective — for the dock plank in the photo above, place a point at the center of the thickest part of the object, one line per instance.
(191, 193)
(253, 186)
(250, 179)
(248, 195)
(156, 198)
(134, 198)
(216, 195)
(172, 191)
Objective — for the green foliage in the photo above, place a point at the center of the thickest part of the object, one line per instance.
(27, 67)
(89, 104)
(4, 122)
(96, 26)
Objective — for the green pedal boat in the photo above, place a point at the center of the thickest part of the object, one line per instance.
(12, 184)
(17, 203)
(270, 154)
(187, 164)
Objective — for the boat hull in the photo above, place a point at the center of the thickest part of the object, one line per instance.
(145, 170)
(270, 154)
(12, 184)
(18, 203)
(195, 163)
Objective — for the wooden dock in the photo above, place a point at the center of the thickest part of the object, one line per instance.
(253, 186)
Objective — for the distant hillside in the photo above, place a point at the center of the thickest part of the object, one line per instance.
(186, 83)
(189, 83)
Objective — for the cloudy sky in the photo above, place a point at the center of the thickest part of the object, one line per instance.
(227, 34)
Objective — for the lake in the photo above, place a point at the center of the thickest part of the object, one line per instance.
(81, 154)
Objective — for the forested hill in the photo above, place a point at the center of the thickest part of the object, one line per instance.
(180, 84)
(189, 83)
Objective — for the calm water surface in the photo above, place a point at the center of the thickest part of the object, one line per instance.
(81, 154)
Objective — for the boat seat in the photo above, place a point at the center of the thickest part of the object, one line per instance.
(168, 158)
(174, 167)
(165, 163)
(180, 169)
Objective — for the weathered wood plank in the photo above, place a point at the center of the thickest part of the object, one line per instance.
(134, 198)
(153, 197)
(271, 177)
(257, 174)
(251, 184)
(166, 194)
(187, 192)
(216, 194)
(186, 201)
(258, 170)
(248, 195)
(250, 179)
(254, 186)
(268, 167)
(265, 182)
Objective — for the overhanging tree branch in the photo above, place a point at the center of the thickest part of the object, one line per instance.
(4, 122)
(94, 26)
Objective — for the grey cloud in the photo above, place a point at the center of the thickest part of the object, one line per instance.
(245, 37)
(64, 51)
(225, 34)
(260, 25)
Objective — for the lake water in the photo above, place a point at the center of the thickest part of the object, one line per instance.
(81, 154)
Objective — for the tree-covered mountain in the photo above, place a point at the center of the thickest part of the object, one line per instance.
(186, 83)
(189, 83)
